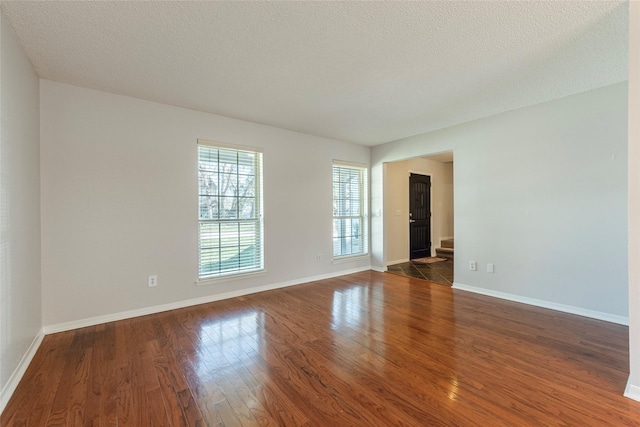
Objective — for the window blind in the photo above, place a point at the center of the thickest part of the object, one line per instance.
(230, 211)
(350, 210)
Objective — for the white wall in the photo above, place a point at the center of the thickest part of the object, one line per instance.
(541, 193)
(396, 204)
(20, 299)
(119, 189)
(633, 388)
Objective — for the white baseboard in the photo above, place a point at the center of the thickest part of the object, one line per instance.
(378, 269)
(92, 321)
(399, 261)
(545, 304)
(17, 374)
(632, 391)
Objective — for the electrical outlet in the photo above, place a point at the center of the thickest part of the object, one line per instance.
(152, 281)
(473, 266)
(319, 257)
(490, 268)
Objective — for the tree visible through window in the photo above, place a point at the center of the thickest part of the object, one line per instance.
(230, 211)
(350, 228)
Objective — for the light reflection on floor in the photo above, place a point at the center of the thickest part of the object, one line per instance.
(348, 307)
(230, 340)
(358, 313)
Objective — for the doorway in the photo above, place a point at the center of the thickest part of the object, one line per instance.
(419, 216)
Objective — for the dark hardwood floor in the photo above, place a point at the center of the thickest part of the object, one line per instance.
(368, 349)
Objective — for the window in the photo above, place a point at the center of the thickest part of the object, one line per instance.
(350, 227)
(230, 211)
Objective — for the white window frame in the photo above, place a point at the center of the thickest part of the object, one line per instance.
(256, 222)
(362, 218)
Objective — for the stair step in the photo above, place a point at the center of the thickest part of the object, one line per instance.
(444, 252)
(447, 250)
(447, 243)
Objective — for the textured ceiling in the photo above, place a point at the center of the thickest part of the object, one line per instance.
(365, 72)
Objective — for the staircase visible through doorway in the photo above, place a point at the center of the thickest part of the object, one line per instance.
(446, 249)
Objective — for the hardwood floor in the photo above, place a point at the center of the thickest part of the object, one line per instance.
(367, 349)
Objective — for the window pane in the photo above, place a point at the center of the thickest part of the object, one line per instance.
(246, 163)
(209, 207)
(246, 185)
(354, 207)
(229, 234)
(228, 160)
(247, 208)
(249, 244)
(207, 158)
(228, 207)
(209, 248)
(356, 226)
(209, 234)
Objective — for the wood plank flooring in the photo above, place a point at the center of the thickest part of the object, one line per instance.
(367, 349)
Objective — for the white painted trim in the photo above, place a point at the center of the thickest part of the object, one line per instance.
(379, 269)
(350, 258)
(92, 321)
(354, 165)
(237, 147)
(399, 261)
(229, 278)
(18, 373)
(632, 391)
(545, 304)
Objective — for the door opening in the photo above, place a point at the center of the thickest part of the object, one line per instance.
(419, 216)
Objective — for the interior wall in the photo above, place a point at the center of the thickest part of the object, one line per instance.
(20, 299)
(396, 204)
(396, 211)
(541, 193)
(119, 202)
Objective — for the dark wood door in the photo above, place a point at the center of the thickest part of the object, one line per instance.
(419, 216)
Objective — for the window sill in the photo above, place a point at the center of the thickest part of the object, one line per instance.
(229, 278)
(342, 260)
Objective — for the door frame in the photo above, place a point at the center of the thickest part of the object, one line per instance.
(383, 213)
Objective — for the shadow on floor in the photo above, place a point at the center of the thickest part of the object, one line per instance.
(439, 272)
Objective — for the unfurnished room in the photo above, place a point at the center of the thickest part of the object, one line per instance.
(328, 213)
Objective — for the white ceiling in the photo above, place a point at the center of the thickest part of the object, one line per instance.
(365, 72)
